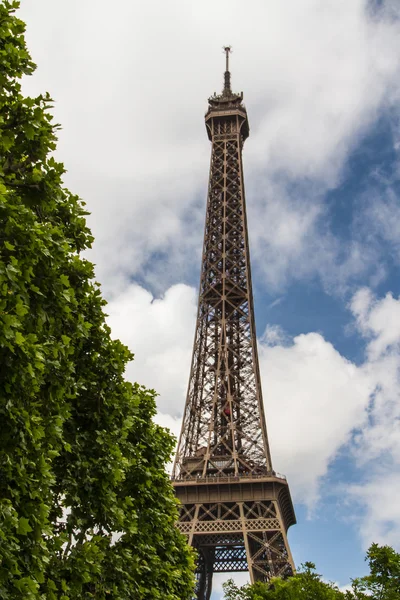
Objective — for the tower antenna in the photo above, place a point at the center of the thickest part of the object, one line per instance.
(227, 76)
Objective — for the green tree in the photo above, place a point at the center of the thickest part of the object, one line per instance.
(383, 582)
(86, 509)
(304, 585)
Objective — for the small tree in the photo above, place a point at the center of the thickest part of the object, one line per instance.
(86, 508)
(383, 582)
(304, 585)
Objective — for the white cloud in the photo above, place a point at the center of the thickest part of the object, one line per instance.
(131, 85)
(377, 445)
(379, 212)
(291, 240)
(377, 320)
(274, 334)
(318, 402)
(160, 331)
(379, 500)
(313, 399)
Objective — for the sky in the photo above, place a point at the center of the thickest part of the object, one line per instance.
(321, 82)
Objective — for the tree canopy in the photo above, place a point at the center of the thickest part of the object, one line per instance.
(86, 508)
(382, 583)
(304, 585)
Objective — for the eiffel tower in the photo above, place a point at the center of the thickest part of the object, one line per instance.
(234, 508)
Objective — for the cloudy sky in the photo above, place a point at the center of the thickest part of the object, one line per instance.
(321, 81)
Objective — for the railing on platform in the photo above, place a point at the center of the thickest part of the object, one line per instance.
(227, 478)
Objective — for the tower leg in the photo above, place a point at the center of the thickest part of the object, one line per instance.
(204, 574)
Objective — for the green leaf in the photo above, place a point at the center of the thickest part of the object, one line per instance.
(19, 338)
(29, 131)
(64, 280)
(23, 526)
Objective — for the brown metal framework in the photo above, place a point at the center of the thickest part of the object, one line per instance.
(234, 508)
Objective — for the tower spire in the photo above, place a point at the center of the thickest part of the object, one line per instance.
(227, 75)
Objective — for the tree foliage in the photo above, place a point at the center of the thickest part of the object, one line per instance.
(383, 583)
(86, 509)
(305, 585)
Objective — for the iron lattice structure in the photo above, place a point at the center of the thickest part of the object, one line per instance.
(234, 508)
